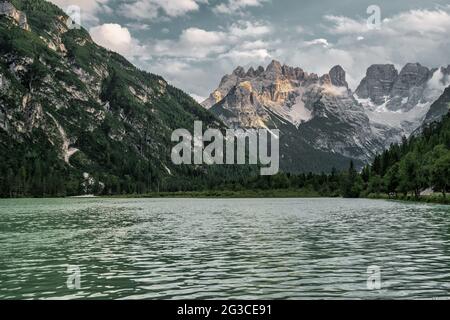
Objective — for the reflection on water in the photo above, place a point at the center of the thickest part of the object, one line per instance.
(221, 249)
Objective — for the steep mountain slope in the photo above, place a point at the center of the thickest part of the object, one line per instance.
(321, 115)
(439, 107)
(75, 117)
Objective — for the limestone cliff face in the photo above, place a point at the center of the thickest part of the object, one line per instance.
(337, 77)
(378, 83)
(401, 99)
(412, 75)
(6, 8)
(383, 84)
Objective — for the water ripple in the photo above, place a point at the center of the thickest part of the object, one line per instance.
(223, 249)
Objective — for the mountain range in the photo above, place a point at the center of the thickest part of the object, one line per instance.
(76, 118)
(322, 117)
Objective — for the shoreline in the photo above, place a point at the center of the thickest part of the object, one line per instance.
(435, 199)
(253, 194)
(277, 193)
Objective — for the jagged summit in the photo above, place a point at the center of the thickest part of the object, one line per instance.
(337, 76)
(383, 83)
(377, 83)
(274, 67)
(276, 75)
(239, 71)
(411, 75)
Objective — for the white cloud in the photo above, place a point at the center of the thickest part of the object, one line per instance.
(198, 58)
(139, 10)
(198, 98)
(244, 29)
(411, 36)
(421, 21)
(196, 43)
(243, 57)
(138, 26)
(192, 43)
(321, 42)
(439, 81)
(345, 25)
(236, 6)
(89, 9)
(413, 21)
(150, 9)
(206, 55)
(200, 37)
(176, 8)
(116, 38)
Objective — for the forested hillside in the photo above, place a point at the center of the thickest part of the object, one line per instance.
(418, 163)
(76, 118)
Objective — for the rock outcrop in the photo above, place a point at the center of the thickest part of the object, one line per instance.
(337, 77)
(412, 75)
(6, 8)
(378, 83)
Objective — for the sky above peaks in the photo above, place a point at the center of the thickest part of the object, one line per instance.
(194, 43)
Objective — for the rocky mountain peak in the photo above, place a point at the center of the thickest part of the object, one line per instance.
(251, 72)
(287, 71)
(259, 70)
(378, 82)
(239, 71)
(337, 76)
(274, 67)
(325, 79)
(411, 75)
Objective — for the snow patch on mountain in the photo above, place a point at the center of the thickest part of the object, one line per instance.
(407, 112)
(297, 113)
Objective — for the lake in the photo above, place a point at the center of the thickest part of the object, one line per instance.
(223, 249)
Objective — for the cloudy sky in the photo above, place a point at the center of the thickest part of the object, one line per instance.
(193, 43)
